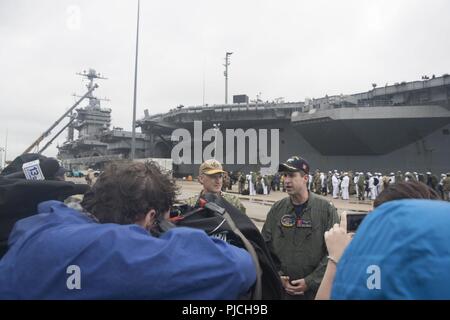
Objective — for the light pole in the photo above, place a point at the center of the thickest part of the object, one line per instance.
(1, 158)
(216, 128)
(133, 129)
(225, 73)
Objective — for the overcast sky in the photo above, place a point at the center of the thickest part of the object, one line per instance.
(282, 48)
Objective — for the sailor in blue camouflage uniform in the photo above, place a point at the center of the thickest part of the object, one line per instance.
(294, 230)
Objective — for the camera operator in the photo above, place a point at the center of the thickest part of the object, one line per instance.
(109, 253)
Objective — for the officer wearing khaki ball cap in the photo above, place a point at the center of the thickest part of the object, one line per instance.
(210, 176)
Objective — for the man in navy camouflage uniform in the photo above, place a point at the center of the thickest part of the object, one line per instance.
(210, 177)
(294, 231)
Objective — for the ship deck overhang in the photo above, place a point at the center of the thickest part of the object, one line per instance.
(369, 130)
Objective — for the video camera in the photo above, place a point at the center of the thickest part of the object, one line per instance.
(206, 215)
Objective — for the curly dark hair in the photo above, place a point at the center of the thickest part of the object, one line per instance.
(126, 191)
(406, 190)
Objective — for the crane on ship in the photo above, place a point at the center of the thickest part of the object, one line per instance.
(91, 75)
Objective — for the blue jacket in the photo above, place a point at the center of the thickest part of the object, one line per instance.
(117, 261)
(400, 251)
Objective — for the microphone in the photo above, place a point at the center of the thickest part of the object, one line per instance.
(210, 197)
(209, 201)
(79, 188)
(49, 167)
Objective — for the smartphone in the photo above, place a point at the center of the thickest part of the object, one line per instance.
(354, 219)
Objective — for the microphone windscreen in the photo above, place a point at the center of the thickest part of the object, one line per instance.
(49, 167)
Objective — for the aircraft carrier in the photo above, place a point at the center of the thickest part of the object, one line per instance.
(404, 126)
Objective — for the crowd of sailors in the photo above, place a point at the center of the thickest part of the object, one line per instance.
(338, 184)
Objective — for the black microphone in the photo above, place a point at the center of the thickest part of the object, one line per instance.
(212, 202)
(49, 167)
(210, 197)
